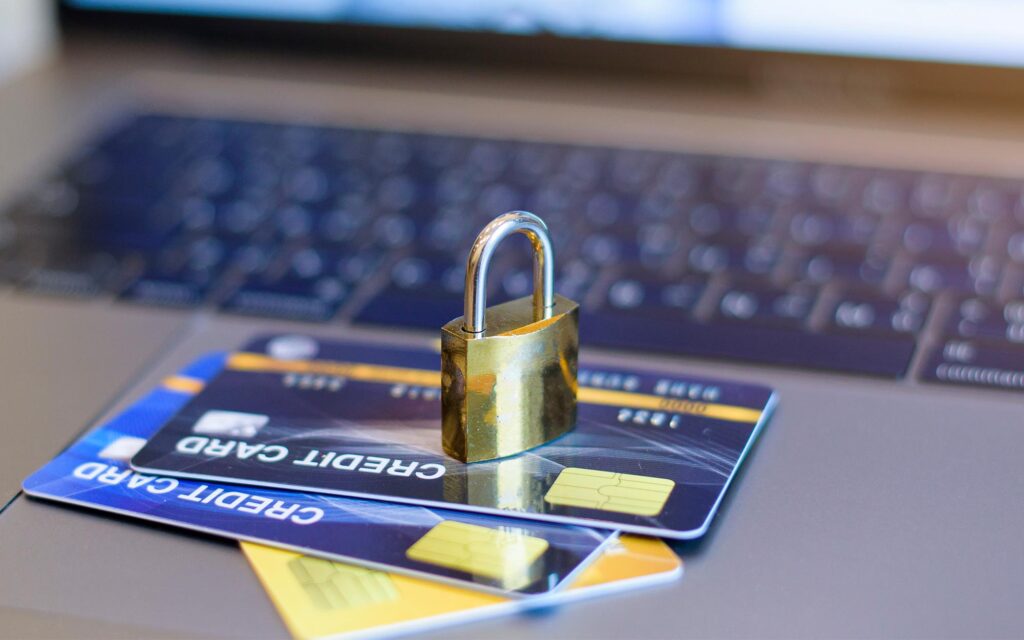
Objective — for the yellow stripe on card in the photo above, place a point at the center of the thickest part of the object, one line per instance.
(350, 370)
(183, 384)
(607, 491)
(424, 378)
(590, 395)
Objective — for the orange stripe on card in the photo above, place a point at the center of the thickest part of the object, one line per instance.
(424, 378)
(184, 384)
(351, 370)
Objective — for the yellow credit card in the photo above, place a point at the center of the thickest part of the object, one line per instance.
(320, 598)
(608, 491)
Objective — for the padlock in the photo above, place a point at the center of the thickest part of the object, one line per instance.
(508, 373)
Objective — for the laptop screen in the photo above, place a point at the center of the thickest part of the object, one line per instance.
(900, 29)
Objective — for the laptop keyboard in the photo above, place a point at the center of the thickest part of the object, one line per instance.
(812, 266)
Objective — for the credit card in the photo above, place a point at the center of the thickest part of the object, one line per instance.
(319, 598)
(652, 452)
(516, 557)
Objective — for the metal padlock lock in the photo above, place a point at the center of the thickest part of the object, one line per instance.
(508, 382)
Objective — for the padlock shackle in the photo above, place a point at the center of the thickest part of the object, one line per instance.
(479, 260)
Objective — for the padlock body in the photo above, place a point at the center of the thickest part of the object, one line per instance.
(512, 387)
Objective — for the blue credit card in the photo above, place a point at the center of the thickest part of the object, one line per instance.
(513, 557)
(652, 452)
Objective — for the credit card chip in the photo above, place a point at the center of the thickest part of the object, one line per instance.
(333, 585)
(500, 554)
(608, 491)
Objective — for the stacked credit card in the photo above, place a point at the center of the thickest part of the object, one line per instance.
(324, 459)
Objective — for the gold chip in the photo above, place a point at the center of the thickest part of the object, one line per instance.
(333, 585)
(607, 491)
(505, 555)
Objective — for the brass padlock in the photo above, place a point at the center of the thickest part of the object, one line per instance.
(508, 384)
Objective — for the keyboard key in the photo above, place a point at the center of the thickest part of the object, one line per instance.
(172, 283)
(933, 277)
(166, 290)
(310, 283)
(940, 238)
(975, 364)
(572, 280)
(765, 304)
(716, 257)
(886, 193)
(979, 275)
(186, 274)
(1015, 247)
(835, 232)
(424, 291)
(639, 290)
(853, 265)
(711, 220)
(863, 312)
(344, 222)
(291, 298)
(748, 342)
(988, 320)
(72, 272)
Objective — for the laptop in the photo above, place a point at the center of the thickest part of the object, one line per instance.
(821, 197)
